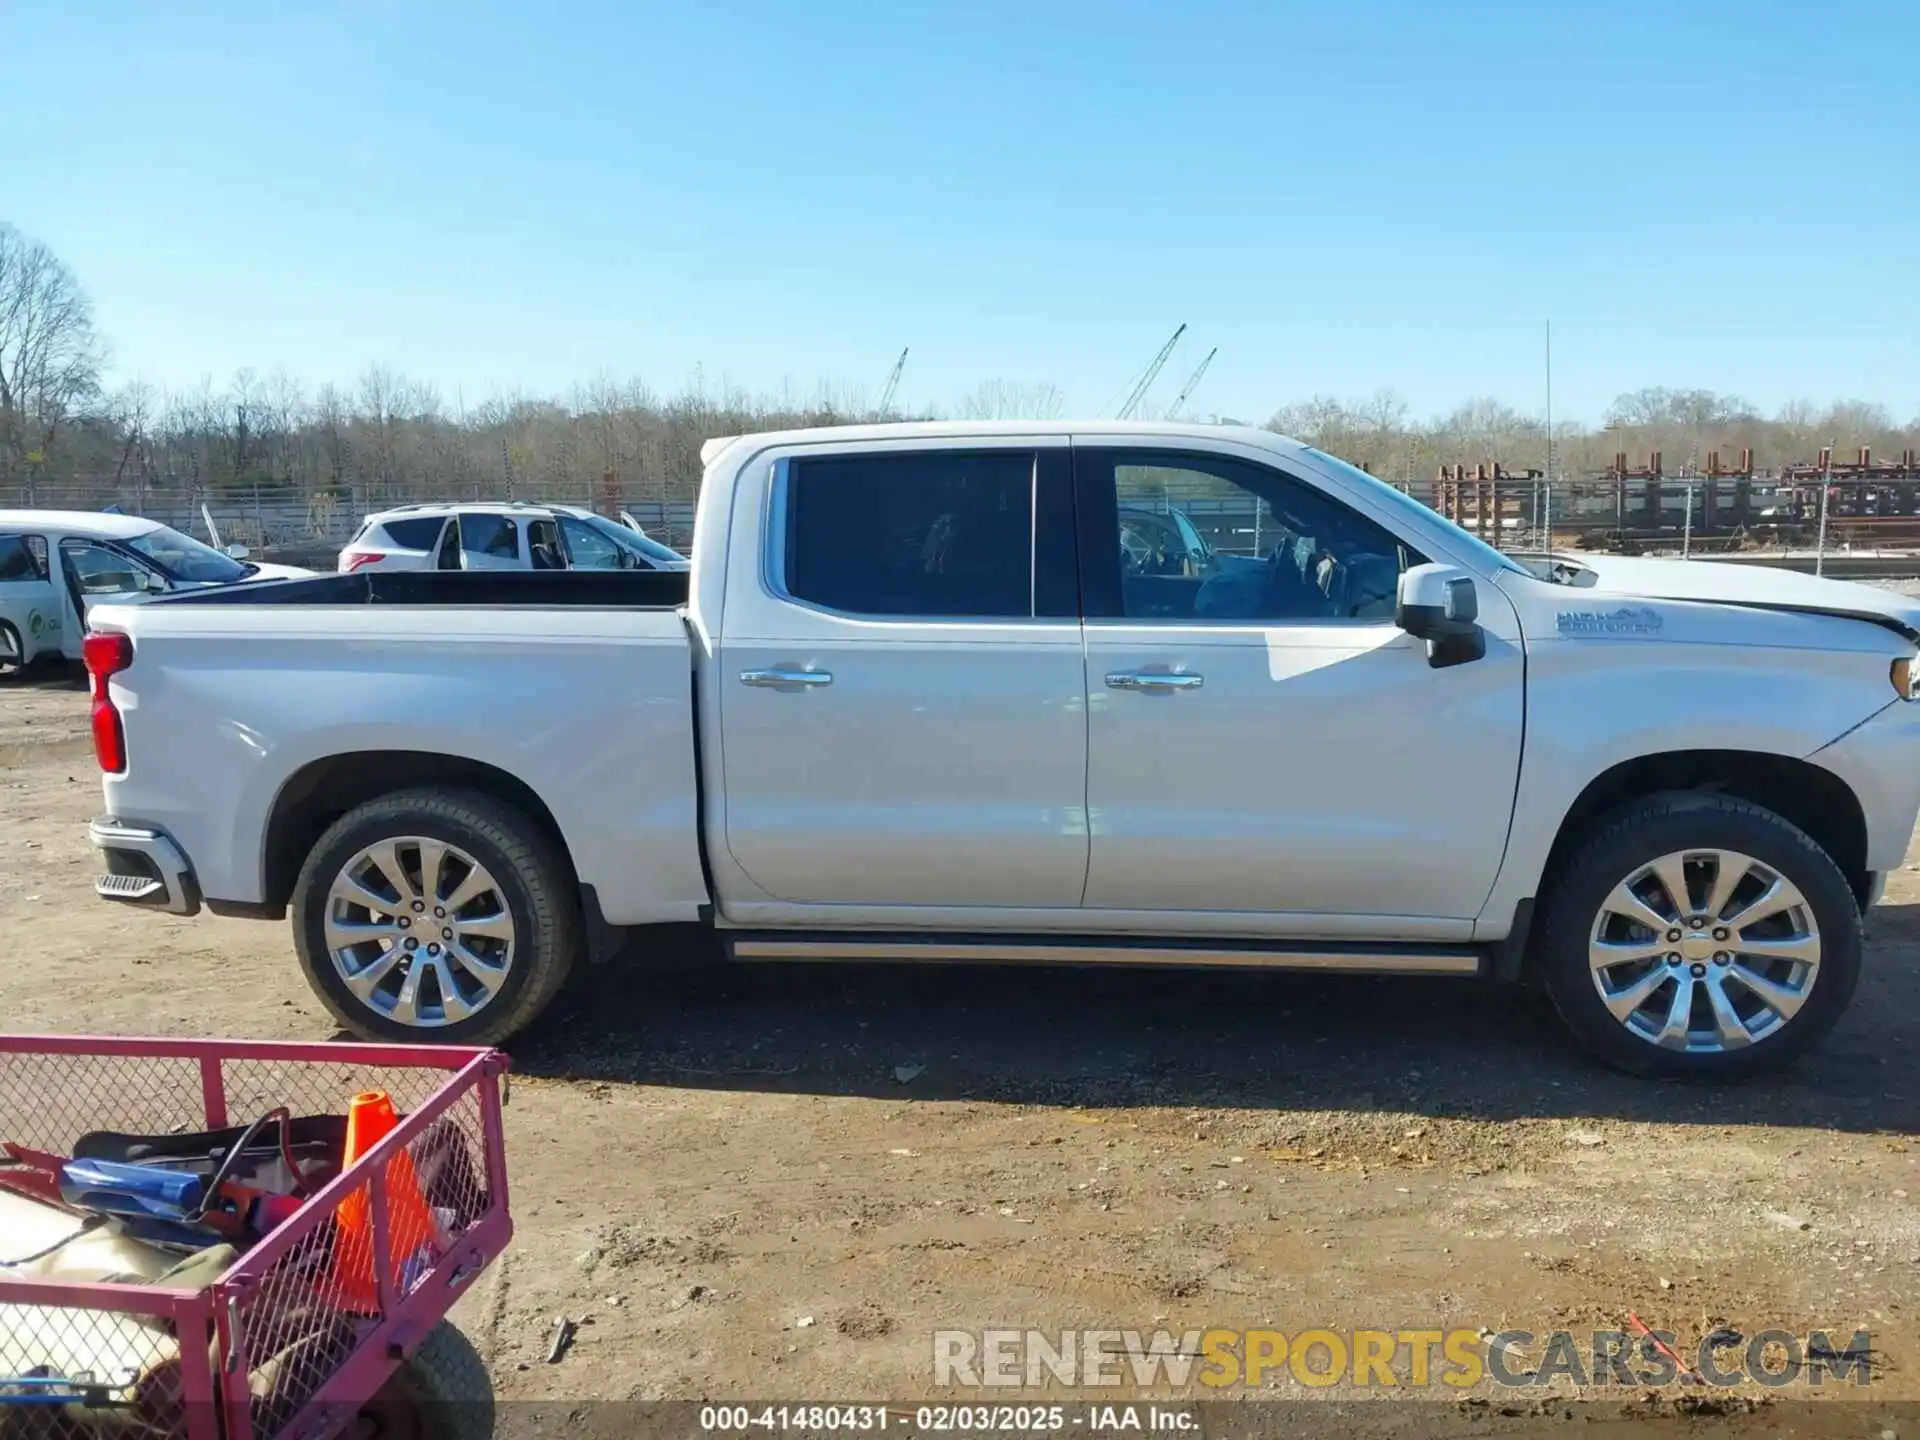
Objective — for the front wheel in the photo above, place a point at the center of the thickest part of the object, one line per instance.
(436, 917)
(1699, 936)
(13, 653)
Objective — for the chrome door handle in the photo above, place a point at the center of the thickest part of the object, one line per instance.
(1154, 680)
(780, 679)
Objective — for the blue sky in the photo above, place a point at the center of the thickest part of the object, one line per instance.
(1340, 196)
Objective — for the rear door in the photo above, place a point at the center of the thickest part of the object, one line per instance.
(900, 682)
(1263, 739)
(31, 610)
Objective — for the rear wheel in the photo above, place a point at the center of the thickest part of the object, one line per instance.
(1699, 936)
(436, 917)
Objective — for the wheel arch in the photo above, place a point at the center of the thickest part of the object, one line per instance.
(1813, 799)
(323, 790)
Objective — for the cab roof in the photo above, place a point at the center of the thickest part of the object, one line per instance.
(80, 522)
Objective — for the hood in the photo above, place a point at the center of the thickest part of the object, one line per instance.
(1765, 587)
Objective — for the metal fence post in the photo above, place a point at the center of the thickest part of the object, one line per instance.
(1820, 544)
(1686, 533)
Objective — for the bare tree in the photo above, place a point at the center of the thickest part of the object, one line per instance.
(1011, 400)
(50, 356)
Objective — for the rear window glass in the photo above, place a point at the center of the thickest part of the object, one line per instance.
(418, 533)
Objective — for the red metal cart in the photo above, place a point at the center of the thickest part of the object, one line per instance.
(278, 1345)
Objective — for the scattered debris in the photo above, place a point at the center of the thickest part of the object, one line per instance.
(902, 1150)
(1688, 1375)
(868, 1322)
(805, 1322)
(563, 1330)
(1585, 1137)
(1784, 1220)
(905, 1074)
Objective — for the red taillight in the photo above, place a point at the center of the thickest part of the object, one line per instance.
(351, 560)
(107, 654)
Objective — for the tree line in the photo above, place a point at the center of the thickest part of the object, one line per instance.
(69, 436)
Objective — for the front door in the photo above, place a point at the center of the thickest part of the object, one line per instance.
(901, 694)
(1262, 738)
(101, 574)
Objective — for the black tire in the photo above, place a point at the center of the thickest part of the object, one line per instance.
(13, 653)
(1641, 832)
(535, 880)
(441, 1392)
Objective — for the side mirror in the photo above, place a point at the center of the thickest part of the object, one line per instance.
(237, 552)
(1439, 604)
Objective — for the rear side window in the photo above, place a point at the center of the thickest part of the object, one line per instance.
(417, 533)
(22, 559)
(912, 534)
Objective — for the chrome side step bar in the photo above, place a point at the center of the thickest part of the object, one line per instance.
(977, 950)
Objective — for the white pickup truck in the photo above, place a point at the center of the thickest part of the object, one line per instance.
(1088, 694)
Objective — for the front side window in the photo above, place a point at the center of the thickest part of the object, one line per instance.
(651, 552)
(186, 559)
(102, 571)
(933, 534)
(587, 548)
(1211, 538)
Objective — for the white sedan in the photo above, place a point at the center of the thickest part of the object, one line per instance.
(101, 558)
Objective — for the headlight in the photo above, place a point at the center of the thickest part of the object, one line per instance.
(1905, 676)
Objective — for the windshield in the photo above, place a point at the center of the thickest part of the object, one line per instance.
(184, 558)
(656, 553)
(1482, 552)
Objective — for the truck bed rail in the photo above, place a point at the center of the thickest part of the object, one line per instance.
(535, 589)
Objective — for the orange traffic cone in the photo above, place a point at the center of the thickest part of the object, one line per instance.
(410, 1226)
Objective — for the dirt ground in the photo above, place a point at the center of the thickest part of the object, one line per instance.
(778, 1183)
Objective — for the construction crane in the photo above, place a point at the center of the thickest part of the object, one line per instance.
(1192, 380)
(893, 384)
(1150, 374)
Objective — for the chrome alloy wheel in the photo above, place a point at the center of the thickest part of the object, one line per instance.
(1704, 951)
(419, 931)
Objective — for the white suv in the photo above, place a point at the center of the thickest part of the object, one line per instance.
(514, 536)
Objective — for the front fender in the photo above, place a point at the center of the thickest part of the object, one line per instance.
(1594, 702)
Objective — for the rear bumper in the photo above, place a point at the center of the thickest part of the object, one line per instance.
(143, 866)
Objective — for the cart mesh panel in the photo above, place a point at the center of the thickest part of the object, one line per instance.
(67, 1372)
(296, 1314)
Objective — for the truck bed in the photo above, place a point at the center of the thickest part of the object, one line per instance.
(574, 686)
